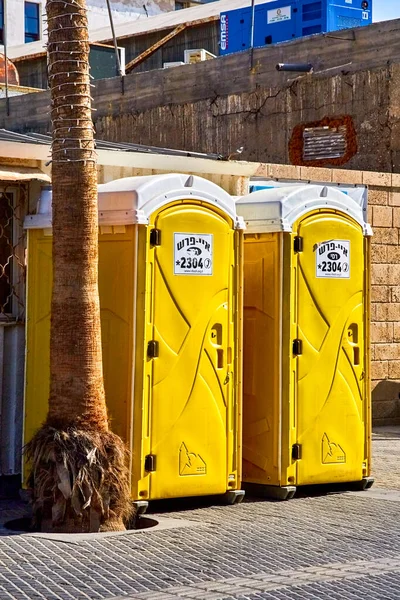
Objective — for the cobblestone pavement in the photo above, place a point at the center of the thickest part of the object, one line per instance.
(333, 546)
(386, 457)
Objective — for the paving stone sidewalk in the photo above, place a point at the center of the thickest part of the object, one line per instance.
(334, 546)
(386, 457)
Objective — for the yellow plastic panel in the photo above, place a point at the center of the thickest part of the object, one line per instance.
(140, 483)
(39, 282)
(116, 282)
(261, 377)
(367, 333)
(192, 393)
(116, 259)
(331, 371)
(289, 363)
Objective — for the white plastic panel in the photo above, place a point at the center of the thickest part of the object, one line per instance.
(132, 200)
(357, 192)
(276, 209)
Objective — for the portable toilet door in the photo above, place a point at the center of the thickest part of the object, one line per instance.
(170, 295)
(306, 407)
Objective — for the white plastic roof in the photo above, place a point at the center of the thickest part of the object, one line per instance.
(132, 200)
(141, 26)
(278, 209)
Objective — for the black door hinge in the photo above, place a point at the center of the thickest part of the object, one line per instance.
(296, 452)
(297, 347)
(298, 244)
(155, 237)
(150, 463)
(152, 349)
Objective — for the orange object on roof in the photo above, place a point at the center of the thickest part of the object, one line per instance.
(13, 77)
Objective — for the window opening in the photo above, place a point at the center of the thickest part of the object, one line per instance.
(32, 22)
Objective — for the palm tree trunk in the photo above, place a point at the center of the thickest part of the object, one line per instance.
(78, 466)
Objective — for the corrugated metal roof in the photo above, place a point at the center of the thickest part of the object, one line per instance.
(31, 49)
(27, 138)
(141, 26)
(38, 50)
(38, 138)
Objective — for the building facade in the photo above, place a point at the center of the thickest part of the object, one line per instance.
(25, 21)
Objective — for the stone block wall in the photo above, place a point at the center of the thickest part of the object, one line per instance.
(384, 215)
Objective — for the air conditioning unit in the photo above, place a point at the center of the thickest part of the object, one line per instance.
(168, 65)
(197, 55)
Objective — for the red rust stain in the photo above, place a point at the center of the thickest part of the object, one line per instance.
(296, 142)
(13, 77)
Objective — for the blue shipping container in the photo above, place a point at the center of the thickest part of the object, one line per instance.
(283, 20)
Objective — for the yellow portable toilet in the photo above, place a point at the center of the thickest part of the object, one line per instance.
(306, 373)
(170, 273)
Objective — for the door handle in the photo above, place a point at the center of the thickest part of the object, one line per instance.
(216, 334)
(352, 333)
(220, 358)
(352, 336)
(356, 355)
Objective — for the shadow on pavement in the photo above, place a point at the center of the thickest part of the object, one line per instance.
(24, 525)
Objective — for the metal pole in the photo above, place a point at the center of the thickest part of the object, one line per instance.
(253, 14)
(121, 72)
(5, 55)
(297, 68)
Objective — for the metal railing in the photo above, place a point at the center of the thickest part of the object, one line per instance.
(13, 202)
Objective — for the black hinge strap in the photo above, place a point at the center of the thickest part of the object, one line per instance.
(297, 347)
(296, 452)
(155, 237)
(152, 349)
(298, 244)
(150, 463)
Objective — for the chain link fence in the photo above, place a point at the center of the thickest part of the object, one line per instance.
(13, 202)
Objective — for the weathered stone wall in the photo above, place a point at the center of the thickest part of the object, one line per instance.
(222, 104)
(262, 121)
